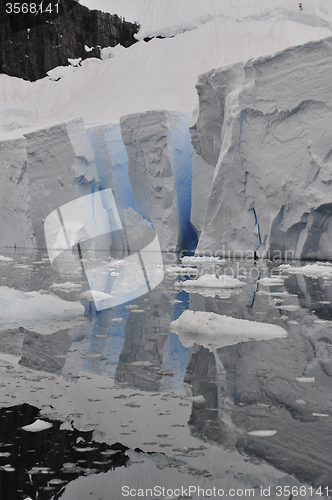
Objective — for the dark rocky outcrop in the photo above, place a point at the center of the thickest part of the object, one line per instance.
(31, 45)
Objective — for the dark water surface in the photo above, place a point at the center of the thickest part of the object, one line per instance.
(134, 407)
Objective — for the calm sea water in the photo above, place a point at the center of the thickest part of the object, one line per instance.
(139, 411)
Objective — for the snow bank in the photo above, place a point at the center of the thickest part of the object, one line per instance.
(172, 16)
(266, 125)
(39, 312)
(160, 74)
(213, 330)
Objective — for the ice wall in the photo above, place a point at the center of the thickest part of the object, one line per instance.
(267, 125)
(111, 161)
(15, 225)
(160, 172)
(60, 169)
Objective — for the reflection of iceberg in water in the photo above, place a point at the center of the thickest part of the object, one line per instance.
(257, 386)
(121, 262)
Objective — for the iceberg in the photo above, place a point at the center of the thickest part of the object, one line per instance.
(265, 123)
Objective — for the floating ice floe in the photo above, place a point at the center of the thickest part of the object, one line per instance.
(273, 281)
(305, 380)
(186, 271)
(201, 260)
(67, 287)
(321, 269)
(211, 281)
(288, 307)
(214, 330)
(40, 312)
(141, 363)
(262, 433)
(5, 259)
(37, 426)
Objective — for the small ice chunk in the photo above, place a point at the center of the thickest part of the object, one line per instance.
(323, 269)
(262, 433)
(37, 426)
(198, 260)
(300, 402)
(288, 307)
(141, 363)
(66, 286)
(211, 281)
(5, 259)
(305, 380)
(273, 281)
(197, 399)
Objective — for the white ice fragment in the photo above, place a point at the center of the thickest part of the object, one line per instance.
(36, 311)
(141, 363)
(186, 271)
(198, 260)
(197, 399)
(211, 281)
(37, 426)
(271, 281)
(213, 330)
(305, 380)
(300, 402)
(288, 307)
(262, 433)
(66, 286)
(5, 259)
(321, 269)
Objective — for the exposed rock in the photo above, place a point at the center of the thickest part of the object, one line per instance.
(31, 45)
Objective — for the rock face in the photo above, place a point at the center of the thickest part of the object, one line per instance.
(265, 124)
(160, 171)
(31, 45)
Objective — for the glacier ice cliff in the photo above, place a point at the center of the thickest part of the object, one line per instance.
(14, 198)
(111, 161)
(60, 168)
(160, 172)
(266, 126)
